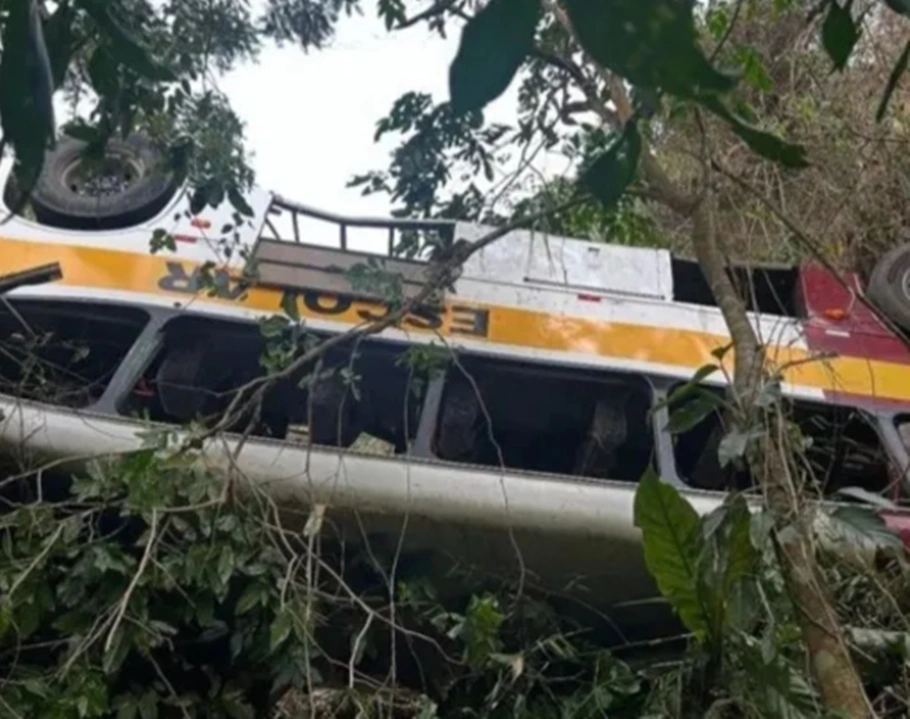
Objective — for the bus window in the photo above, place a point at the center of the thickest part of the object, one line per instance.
(696, 452)
(501, 413)
(203, 363)
(844, 448)
(63, 353)
(841, 449)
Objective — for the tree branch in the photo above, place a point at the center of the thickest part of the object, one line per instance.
(441, 275)
(663, 187)
(436, 9)
(727, 32)
(566, 65)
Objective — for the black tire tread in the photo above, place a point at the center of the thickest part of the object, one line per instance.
(55, 205)
(884, 290)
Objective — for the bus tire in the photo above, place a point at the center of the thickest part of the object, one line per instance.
(135, 187)
(889, 285)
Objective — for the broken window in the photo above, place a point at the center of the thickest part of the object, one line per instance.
(521, 416)
(203, 363)
(768, 290)
(63, 353)
(696, 450)
(844, 449)
(841, 448)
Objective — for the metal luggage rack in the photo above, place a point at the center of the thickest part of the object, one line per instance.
(405, 239)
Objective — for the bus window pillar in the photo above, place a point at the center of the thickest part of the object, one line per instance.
(663, 440)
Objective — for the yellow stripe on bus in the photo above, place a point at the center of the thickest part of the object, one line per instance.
(105, 269)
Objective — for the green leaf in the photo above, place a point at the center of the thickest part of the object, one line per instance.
(162, 240)
(116, 655)
(392, 12)
(902, 7)
(26, 91)
(651, 43)
(125, 48)
(198, 200)
(762, 143)
(753, 68)
(862, 524)
(897, 72)
(103, 71)
(864, 495)
(769, 393)
(215, 192)
(225, 564)
(82, 132)
(734, 444)
(720, 352)
(744, 605)
(480, 630)
(776, 687)
(148, 705)
(238, 202)
(494, 44)
(672, 545)
(60, 40)
(272, 326)
(610, 174)
(685, 417)
(127, 707)
(280, 628)
(290, 305)
(250, 597)
(236, 707)
(6, 618)
(727, 560)
(690, 387)
(717, 20)
(179, 155)
(839, 32)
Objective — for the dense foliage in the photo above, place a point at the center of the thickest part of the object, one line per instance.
(148, 587)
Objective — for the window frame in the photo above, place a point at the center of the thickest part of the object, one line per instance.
(883, 423)
(433, 405)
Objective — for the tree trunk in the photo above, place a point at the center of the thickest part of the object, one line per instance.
(831, 663)
(832, 667)
(835, 674)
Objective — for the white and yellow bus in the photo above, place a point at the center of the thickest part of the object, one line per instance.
(560, 353)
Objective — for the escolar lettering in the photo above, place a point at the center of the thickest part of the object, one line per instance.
(221, 284)
(326, 304)
(473, 321)
(462, 319)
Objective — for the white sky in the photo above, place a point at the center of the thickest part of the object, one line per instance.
(311, 117)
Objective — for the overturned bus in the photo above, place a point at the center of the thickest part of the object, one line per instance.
(516, 411)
